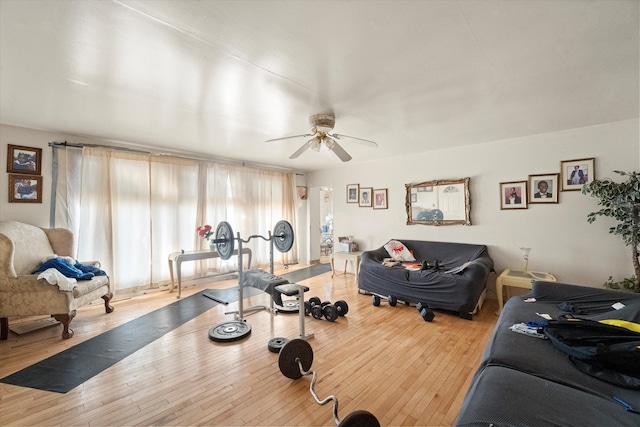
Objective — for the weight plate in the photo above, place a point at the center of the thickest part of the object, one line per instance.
(224, 240)
(392, 300)
(360, 418)
(342, 307)
(283, 236)
(316, 312)
(330, 312)
(314, 301)
(307, 308)
(229, 331)
(375, 300)
(294, 350)
(276, 344)
(289, 306)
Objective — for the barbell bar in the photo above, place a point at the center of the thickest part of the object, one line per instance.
(283, 238)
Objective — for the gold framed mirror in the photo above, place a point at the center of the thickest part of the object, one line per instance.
(441, 202)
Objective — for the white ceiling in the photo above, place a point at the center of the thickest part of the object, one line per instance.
(218, 78)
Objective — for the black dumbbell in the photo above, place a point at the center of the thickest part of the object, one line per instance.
(424, 310)
(392, 300)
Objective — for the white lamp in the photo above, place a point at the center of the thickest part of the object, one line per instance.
(525, 257)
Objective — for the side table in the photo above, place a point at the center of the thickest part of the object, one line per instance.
(518, 279)
(354, 257)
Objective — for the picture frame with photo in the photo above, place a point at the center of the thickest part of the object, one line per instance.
(353, 193)
(302, 192)
(380, 198)
(544, 188)
(576, 173)
(25, 189)
(24, 160)
(513, 195)
(365, 197)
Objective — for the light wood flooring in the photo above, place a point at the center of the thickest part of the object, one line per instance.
(384, 359)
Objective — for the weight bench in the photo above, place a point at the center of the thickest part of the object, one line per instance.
(267, 282)
(290, 290)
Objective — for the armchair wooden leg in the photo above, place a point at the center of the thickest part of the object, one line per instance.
(4, 328)
(107, 299)
(65, 319)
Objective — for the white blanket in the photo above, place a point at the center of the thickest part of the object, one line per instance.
(54, 277)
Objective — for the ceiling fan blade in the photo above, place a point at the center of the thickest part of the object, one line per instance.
(364, 142)
(304, 148)
(337, 149)
(290, 137)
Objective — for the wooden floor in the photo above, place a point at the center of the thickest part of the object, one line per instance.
(384, 359)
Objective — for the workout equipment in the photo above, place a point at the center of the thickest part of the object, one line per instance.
(424, 310)
(295, 361)
(276, 344)
(293, 289)
(224, 241)
(331, 312)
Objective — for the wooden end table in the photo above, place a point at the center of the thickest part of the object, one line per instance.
(518, 279)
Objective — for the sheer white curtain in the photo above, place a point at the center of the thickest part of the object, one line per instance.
(133, 209)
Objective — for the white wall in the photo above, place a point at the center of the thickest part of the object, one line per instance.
(563, 242)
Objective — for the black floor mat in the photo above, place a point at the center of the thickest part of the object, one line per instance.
(306, 273)
(68, 369)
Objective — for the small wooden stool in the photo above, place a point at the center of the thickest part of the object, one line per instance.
(294, 289)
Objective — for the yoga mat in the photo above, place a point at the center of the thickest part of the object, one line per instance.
(68, 369)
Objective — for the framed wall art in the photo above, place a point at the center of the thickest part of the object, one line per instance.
(25, 189)
(513, 195)
(353, 193)
(576, 173)
(24, 159)
(544, 188)
(380, 198)
(302, 192)
(365, 197)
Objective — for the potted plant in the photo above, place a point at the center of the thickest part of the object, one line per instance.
(620, 201)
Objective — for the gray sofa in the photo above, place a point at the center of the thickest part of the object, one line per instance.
(525, 381)
(440, 289)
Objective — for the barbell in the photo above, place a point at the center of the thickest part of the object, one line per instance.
(295, 360)
(282, 236)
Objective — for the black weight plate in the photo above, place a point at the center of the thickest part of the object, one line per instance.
(314, 301)
(323, 303)
(316, 312)
(360, 418)
(294, 350)
(283, 236)
(224, 240)
(276, 344)
(392, 300)
(342, 307)
(229, 331)
(375, 300)
(307, 308)
(330, 312)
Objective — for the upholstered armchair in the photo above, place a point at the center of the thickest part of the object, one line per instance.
(23, 248)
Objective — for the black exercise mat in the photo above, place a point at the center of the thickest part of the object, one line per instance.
(68, 369)
(306, 273)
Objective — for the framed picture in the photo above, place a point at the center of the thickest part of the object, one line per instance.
(513, 195)
(380, 198)
(25, 189)
(353, 193)
(365, 197)
(24, 159)
(302, 192)
(576, 173)
(544, 188)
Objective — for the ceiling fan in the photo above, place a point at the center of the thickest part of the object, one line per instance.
(323, 139)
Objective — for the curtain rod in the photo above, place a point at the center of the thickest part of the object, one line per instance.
(65, 144)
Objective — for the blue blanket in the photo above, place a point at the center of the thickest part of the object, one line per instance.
(76, 271)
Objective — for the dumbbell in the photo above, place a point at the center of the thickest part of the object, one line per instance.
(295, 361)
(424, 310)
(331, 312)
(391, 299)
